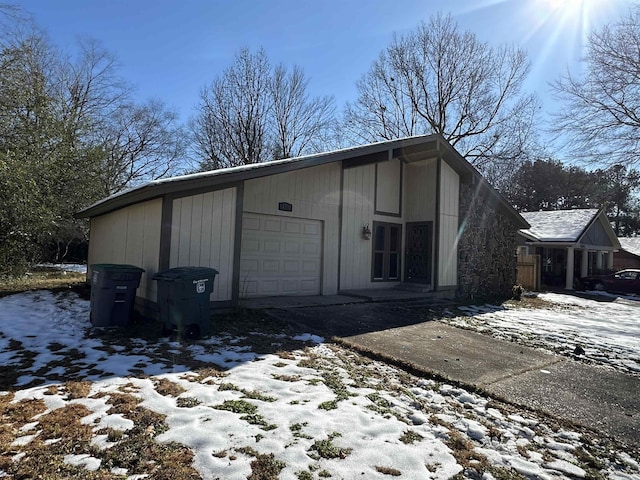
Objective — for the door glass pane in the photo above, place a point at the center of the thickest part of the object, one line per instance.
(394, 240)
(393, 265)
(378, 265)
(379, 238)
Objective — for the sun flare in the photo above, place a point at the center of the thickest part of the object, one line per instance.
(562, 4)
(569, 6)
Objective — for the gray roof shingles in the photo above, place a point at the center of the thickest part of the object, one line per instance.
(558, 225)
(631, 245)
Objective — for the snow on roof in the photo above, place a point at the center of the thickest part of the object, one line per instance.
(631, 245)
(205, 174)
(558, 225)
(255, 166)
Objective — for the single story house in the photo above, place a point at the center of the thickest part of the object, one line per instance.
(629, 254)
(568, 242)
(407, 211)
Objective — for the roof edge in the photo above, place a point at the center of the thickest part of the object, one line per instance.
(221, 177)
(434, 144)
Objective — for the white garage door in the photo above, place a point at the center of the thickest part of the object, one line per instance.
(280, 256)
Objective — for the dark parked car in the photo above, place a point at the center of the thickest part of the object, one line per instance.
(627, 281)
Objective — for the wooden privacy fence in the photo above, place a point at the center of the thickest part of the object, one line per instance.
(529, 271)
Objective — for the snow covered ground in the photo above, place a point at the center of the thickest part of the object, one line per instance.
(64, 267)
(604, 329)
(135, 408)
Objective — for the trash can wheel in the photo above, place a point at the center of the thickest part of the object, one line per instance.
(192, 332)
(167, 331)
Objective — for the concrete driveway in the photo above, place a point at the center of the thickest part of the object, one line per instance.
(595, 397)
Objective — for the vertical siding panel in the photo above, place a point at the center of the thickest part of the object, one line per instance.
(185, 232)
(355, 219)
(175, 233)
(360, 185)
(448, 226)
(196, 230)
(344, 247)
(134, 235)
(352, 212)
(366, 213)
(226, 241)
(119, 251)
(249, 196)
(349, 221)
(205, 230)
(216, 227)
(151, 256)
(296, 180)
(231, 240)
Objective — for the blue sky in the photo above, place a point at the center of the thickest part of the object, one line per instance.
(171, 49)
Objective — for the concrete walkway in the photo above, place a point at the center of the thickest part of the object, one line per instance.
(598, 398)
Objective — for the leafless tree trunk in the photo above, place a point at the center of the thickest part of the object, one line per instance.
(600, 115)
(438, 79)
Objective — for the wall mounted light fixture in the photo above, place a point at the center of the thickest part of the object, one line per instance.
(366, 232)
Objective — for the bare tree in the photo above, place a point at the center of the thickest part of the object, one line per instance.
(253, 113)
(437, 79)
(299, 121)
(600, 117)
(89, 88)
(140, 143)
(231, 125)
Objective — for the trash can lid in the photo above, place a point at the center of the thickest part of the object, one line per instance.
(185, 273)
(116, 267)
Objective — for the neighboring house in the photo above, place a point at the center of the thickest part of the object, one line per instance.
(629, 254)
(569, 244)
(404, 211)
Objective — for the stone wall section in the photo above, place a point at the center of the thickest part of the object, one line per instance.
(486, 247)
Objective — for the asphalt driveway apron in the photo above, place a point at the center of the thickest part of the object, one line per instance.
(596, 397)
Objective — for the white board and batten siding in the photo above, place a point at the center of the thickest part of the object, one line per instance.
(203, 235)
(420, 191)
(388, 187)
(358, 208)
(370, 193)
(130, 236)
(449, 221)
(291, 252)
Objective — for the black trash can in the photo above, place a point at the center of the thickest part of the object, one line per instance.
(183, 298)
(113, 293)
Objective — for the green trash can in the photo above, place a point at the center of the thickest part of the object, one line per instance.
(183, 299)
(113, 293)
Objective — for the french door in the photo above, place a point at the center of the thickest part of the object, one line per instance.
(387, 238)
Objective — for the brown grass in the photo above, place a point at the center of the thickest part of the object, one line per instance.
(208, 374)
(64, 423)
(389, 471)
(77, 390)
(463, 451)
(21, 412)
(61, 432)
(167, 387)
(41, 280)
(68, 435)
